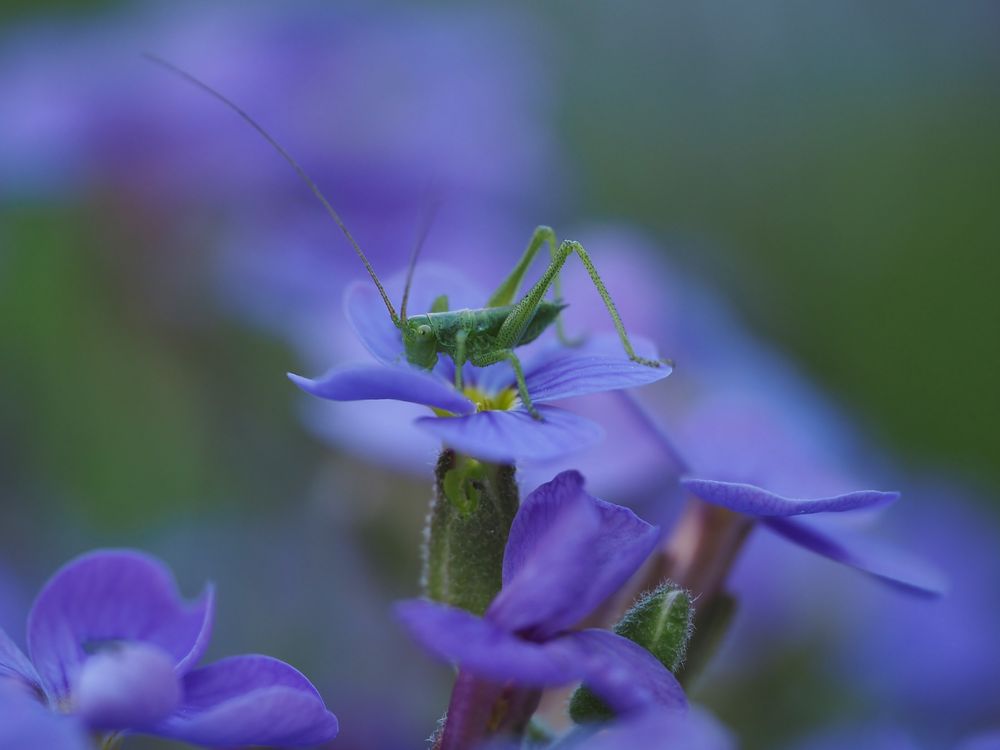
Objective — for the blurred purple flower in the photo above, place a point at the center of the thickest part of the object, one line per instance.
(566, 554)
(25, 724)
(953, 639)
(741, 437)
(383, 96)
(458, 127)
(695, 730)
(114, 645)
(988, 741)
(486, 419)
(387, 109)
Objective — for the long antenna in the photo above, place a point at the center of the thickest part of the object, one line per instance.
(426, 221)
(294, 164)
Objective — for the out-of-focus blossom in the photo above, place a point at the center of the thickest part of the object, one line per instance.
(486, 419)
(989, 741)
(381, 96)
(388, 109)
(695, 730)
(25, 724)
(567, 552)
(113, 645)
(954, 639)
(742, 437)
(464, 131)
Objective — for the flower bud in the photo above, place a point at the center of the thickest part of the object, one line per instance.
(660, 622)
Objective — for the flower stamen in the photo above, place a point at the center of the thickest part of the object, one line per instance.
(503, 400)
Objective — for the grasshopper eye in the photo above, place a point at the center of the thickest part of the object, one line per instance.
(423, 331)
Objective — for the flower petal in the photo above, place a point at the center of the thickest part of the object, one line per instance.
(754, 501)
(598, 365)
(515, 436)
(111, 595)
(25, 724)
(567, 552)
(623, 673)
(131, 686)
(13, 663)
(371, 322)
(250, 700)
(367, 314)
(398, 383)
(483, 648)
(882, 561)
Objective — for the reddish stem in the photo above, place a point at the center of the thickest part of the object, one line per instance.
(480, 709)
(702, 548)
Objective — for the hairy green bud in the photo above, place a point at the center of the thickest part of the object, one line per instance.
(661, 622)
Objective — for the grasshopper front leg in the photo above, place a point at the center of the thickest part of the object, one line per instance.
(460, 338)
(507, 355)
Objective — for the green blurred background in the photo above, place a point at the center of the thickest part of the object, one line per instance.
(838, 166)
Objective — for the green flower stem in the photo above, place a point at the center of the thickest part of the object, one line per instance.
(702, 548)
(467, 528)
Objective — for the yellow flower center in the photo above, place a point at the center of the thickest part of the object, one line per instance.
(502, 401)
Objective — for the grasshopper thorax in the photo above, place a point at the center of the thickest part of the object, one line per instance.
(419, 341)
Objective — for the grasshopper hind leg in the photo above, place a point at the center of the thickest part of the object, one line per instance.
(520, 317)
(571, 247)
(507, 290)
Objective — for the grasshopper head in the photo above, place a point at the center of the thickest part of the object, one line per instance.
(420, 342)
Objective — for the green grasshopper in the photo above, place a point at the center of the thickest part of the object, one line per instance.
(483, 336)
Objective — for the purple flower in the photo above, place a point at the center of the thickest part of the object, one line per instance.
(113, 645)
(25, 724)
(486, 418)
(567, 552)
